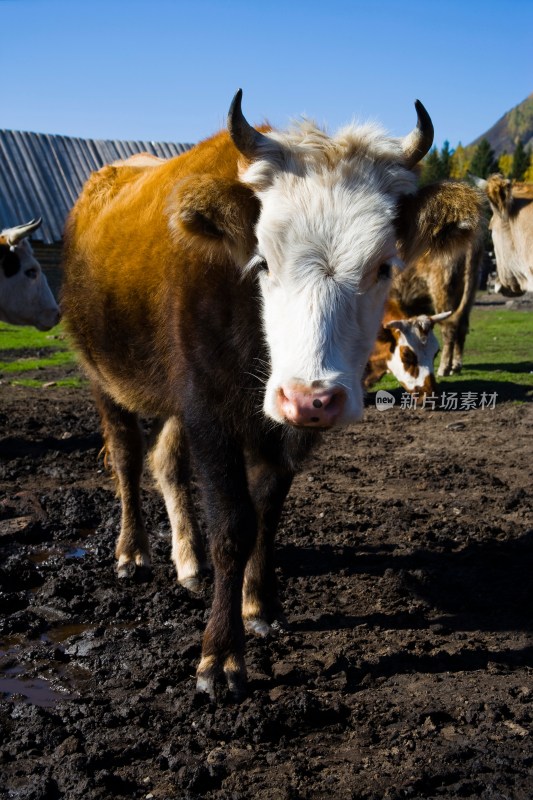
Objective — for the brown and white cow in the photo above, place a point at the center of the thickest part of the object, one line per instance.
(512, 233)
(443, 273)
(25, 296)
(235, 292)
(406, 347)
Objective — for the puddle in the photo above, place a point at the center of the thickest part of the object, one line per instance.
(70, 551)
(72, 677)
(40, 556)
(60, 633)
(76, 552)
(33, 691)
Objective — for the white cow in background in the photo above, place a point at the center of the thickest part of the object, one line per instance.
(25, 296)
(512, 233)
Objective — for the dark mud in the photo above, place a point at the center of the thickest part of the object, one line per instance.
(405, 556)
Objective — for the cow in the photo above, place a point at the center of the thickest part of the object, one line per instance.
(234, 292)
(406, 347)
(25, 296)
(442, 275)
(511, 226)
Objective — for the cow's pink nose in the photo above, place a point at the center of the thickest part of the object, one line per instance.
(318, 408)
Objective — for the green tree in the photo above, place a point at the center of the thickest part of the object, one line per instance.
(483, 161)
(505, 164)
(460, 162)
(436, 166)
(430, 167)
(529, 172)
(520, 162)
(445, 160)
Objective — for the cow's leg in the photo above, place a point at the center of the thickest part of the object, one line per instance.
(448, 343)
(124, 445)
(171, 468)
(459, 343)
(232, 528)
(261, 605)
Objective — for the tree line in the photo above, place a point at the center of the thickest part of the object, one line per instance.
(480, 161)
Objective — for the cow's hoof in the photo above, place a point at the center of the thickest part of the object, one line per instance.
(210, 671)
(139, 567)
(205, 684)
(196, 584)
(193, 584)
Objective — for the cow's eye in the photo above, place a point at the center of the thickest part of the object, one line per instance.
(31, 273)
(260, 264)
(384, 272)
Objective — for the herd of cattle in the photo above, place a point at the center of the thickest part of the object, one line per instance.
(243, 293)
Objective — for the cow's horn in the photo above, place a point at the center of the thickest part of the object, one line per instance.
(245, 138)
(397, 324)
(19, 232)
(481, 183)
(440, 317)
(416, 144)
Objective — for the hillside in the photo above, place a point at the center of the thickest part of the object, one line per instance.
(515, 124)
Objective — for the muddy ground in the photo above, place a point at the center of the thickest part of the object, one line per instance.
(405, 556)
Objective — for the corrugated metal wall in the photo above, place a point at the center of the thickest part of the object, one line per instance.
(41, 174)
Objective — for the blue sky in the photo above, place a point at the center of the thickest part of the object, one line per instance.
(166, 69)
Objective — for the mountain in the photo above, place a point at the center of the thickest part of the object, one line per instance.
(515, 124)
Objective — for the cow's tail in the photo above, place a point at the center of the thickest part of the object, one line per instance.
(473, 256)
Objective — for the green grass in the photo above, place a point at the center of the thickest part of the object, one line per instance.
(59, 358)
(72, 383)
(498, 356)
(52, 352)
(16, 338)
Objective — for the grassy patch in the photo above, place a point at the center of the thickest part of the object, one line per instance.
(16, 338)
(72, 383)
(498, 356)
(25, 351)
(59, 358)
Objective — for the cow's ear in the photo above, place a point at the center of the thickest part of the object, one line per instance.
(387, 335)
(217, 215)
(439, 219)
(199, 224)
(499, 193)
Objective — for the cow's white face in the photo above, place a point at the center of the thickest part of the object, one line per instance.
(325, 241)
(25, 296)
(412, 359)
(324, 282)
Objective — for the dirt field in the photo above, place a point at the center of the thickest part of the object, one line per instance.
(405, 556)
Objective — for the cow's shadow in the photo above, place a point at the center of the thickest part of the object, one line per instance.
(484, 587)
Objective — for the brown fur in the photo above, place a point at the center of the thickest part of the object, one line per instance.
(167, 323)
(442, 228)
(384, 346)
